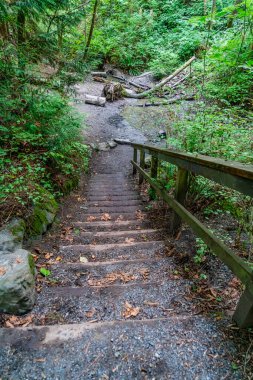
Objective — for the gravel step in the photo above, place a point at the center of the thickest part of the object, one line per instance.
(118, 197)
(114, 272)
(123, 251)
(113, 203)
(114, 209)
(104, 237)
(74, 304)
(119, 225)
(104, 192)
(114, 216)
(182, 348)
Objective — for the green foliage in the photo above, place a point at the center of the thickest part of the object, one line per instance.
(45, 272)
(40, 141)
(201, 250)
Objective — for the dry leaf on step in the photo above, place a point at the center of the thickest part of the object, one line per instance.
(83, 259)
(19, 260)
(144, 273)
(14, 321)
(150, 303)
(139, 215)
(105, 217)
(130, 311)
(2, 271)
(129, 240)
(90, 313)
(91, 218)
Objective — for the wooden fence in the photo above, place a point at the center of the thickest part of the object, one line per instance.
(231, 174)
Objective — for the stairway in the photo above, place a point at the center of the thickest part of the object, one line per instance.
(115, 310)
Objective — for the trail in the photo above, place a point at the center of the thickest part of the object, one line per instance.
(114, 307)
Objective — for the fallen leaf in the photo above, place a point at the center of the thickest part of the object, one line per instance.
(139, 215)
(145, 272)
(14, 321)
(91, 218)
(19, 260)
(58, 258)
(2, 271)
(129, 240)
(90, 313)
(45, 272)
(130, 311)
(149, 303)
(110, 278)
(105, 217)
(83, 259)
(48, 255)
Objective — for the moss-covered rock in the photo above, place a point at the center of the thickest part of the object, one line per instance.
(17, 282)
(43, 215)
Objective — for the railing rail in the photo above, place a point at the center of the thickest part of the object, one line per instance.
(228, 173)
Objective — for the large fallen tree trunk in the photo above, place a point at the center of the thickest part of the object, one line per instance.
(169, 101)
(96, 100)
(160, 84)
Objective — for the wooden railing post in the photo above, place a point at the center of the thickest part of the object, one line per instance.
(243, 315)
(142, 165)
(180, 196)
(135, 160)
(154, 167)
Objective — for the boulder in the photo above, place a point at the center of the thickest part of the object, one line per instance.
(112, 144)
(103, 147)
(17, 282)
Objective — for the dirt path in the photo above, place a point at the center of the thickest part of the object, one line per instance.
(114, 306)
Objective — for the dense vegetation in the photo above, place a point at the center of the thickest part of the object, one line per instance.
(48, 45)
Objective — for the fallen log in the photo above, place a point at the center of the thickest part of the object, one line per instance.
(169, 101)
(162, 83)
(95, 100)
(100, 79)
(99, 74)
(137, 85)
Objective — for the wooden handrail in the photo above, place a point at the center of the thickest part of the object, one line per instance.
(231, 174)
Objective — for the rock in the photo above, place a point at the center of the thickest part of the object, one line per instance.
(103, 147)
(11, 237)
(17, 282)
(112, 144)
(162, 134)
(93, 146)
(42, 216)
(122, 141)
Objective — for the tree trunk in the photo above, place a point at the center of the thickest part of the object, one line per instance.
(21, 27)
(160, 84)
(93, 21)
(96, 100)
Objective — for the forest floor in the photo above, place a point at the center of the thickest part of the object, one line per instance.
(223, 352)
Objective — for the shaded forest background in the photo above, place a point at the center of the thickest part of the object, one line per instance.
(46, 46)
